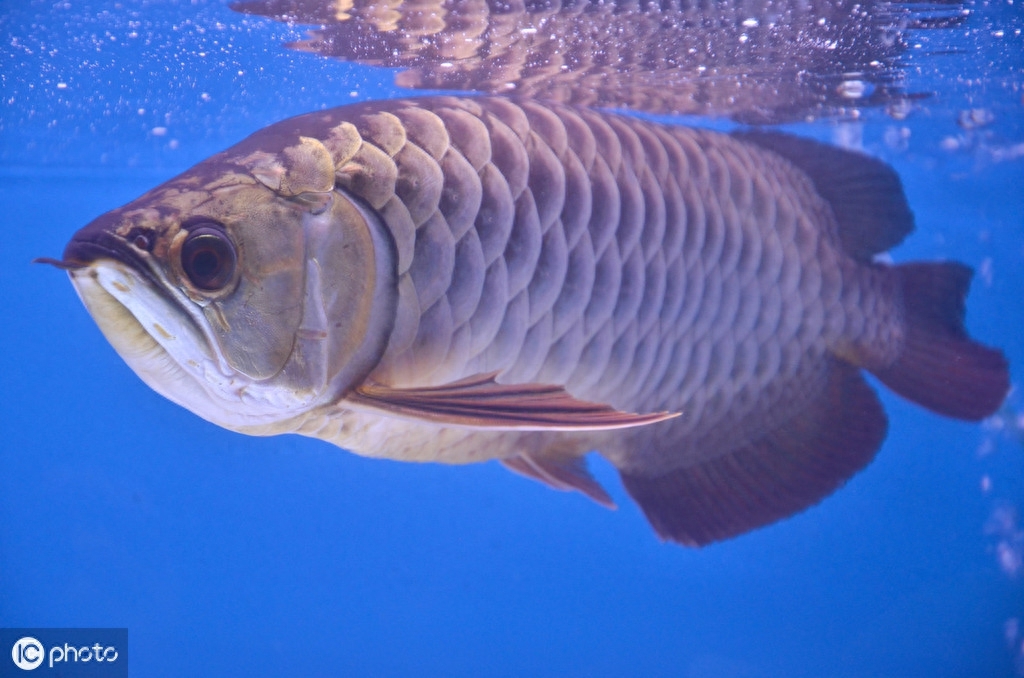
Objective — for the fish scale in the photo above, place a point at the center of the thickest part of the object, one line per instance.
(612, 273)
(458, 280)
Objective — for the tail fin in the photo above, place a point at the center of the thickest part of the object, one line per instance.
(940, 367)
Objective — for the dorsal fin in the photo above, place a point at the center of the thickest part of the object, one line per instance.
(865, 193)
(785, 471)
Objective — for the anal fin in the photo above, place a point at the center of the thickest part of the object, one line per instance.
(480, 401)
(561, 473)
(787, 470)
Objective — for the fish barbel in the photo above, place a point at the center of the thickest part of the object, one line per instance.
(458, 280)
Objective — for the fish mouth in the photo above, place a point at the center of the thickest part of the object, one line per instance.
(155, 338)
(92, 244)
(155, 328)
(165, 338)
(129, 275)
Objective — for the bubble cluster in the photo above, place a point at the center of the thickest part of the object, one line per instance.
(1003, 528)
(149, 80)
(1015, 642)
(1003, 525)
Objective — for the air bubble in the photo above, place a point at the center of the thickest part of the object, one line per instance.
(855, 89)
(974, 118)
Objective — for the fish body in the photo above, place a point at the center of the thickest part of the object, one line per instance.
(458, 280)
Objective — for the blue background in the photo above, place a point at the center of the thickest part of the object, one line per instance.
(228, 555)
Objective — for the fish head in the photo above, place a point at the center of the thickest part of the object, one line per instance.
(247, 290)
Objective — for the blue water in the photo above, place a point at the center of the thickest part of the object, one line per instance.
(226, 555)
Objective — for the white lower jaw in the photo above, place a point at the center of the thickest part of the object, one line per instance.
(161, 345)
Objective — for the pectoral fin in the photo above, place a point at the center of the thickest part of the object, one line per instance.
(481, 402)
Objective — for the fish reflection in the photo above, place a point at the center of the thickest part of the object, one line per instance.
(758, 61)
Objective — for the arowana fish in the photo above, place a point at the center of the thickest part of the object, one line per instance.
(458, 280)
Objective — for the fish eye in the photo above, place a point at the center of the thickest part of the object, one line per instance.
(208, 258)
